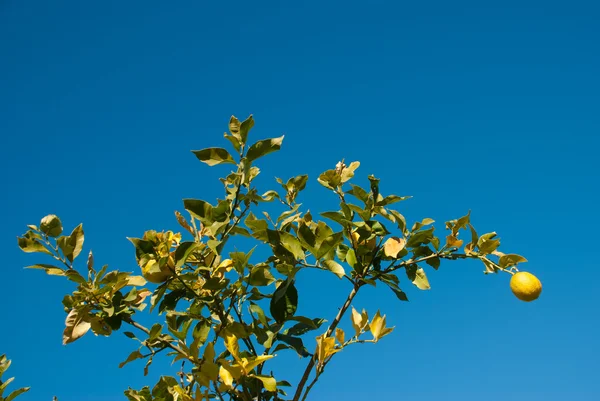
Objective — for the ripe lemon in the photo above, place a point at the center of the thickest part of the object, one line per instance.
(525, 286)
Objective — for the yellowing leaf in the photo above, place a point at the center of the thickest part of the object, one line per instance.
(325, 347)
(209, 352)
(348, 171)
(335, 268)
(340, 335)
(75, 328)
(377, 326)
(393, 246)
(452, 241)
(359, 320)
(226, 377)
(231, 343)
(223, 267)
(250, 363)
(136, 281)
(269, 382)
(235, 370)
(418, 277)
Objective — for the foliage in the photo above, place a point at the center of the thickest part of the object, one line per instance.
(4, 365)
(226, 314)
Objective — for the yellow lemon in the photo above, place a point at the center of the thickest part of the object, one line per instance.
(370, 243)
(153, 273)
(525, 286)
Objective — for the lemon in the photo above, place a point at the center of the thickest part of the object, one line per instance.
(156, 274)
(370, 243)
(525, 286)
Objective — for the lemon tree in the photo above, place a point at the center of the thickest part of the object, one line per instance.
(224, 311)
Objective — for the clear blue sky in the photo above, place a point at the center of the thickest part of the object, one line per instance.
(488, 106)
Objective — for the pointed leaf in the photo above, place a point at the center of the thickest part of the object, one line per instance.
(214, 156)
(334, 267)
(264, 147)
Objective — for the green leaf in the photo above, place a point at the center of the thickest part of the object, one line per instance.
(298, 183)
(304, 325)
(17, 393)
(270, 196)
(200, 209)
(234, 127)
(417, 276)
(388, 200)
(29, 246)
(245, 128)
(295, 342)
(260, 276)
(358, 192)
(351, 258)
(71, 246)
(75, 328)
(330, 179)
(307, 237)
(348, 171)
(183, 252)
(328, 244)
(420, 237)
(284, 302)
(510, 259)
(401, 295)
(50, 270)
(268, 382)
(260, 313)
(487, 243)
(336, 216)
(75, 277)
(399, 220)
(235, 142)
(214, 156)
(290, 243)
(433, 262)
(426, 221)
(132, 357)
(51, 225)
(334, 267)
(264, 147)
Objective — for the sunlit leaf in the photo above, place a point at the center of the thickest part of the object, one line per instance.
(393, 246)
(334, 267)
(263, 148)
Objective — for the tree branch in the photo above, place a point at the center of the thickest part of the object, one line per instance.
(330, 330)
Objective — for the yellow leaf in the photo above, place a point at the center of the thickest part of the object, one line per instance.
(325, 347)
(420, 279)
(226, 377)
(452, 241)
(359, 320)
(136, 281)
(224, 266)
(393, 246)
(209, 352)
(75, 327)
(235, 370)
(211, 370)
(250, 363)
(269, 382)
(335, 268)
(340, 335)
(231, 343)
(377, 327)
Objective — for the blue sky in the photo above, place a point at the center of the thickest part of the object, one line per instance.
(488, 106)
